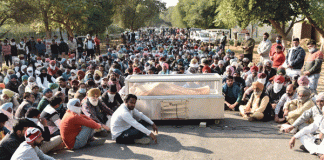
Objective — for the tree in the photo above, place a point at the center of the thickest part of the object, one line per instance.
(135, 14)
(178, 14)
(278, 13)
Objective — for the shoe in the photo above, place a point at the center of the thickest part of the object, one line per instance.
(251, 119)
(101, 133)
(97, 141)
(302, 147)
(144, 140)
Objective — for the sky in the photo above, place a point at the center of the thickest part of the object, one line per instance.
(170, 2)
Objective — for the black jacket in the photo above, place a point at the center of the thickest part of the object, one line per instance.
(112, 105)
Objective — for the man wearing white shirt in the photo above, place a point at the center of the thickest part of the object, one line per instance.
(264, 48)
(89, 46)
(126, 129)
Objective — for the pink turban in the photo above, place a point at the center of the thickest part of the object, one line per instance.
(303, 81)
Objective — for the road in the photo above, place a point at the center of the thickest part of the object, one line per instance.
(232, 138)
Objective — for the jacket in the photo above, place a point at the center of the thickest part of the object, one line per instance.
(308, 116)
(235, 91)
(297, 57)
(313, 62)
(264, 48)
(249, 44)
(300, 109)
(9, 145)
(278, 59)
(273, 49)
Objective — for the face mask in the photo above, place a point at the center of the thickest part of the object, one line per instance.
(94, 102)
(82, 90)
(262, 80)
(277, 87)
(74, 109)
(278, 41)
(312, 50)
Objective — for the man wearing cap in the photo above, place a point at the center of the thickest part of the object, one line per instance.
(22, 87)
(112, 98)
(47, 95)
(44, 79)
(276, 90)
(264, 48)
(77, 129)
(10, 143)
(313, 65)
(290, 94)
(13, 83)
(94, 108)
(29, 148)
(257, 107)
(293, 109)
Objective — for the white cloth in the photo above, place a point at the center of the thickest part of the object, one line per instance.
(123, 119)
(44, 85)
(264, 49)
(27, 152)
(90, 45)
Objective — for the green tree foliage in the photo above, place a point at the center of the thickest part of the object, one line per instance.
(278, 13)
(135, 14)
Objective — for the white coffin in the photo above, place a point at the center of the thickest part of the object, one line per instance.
(172, 106)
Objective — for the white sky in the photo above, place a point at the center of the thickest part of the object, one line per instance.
(170, 2)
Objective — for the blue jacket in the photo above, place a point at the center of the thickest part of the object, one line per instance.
(297, 58)
(235, 91)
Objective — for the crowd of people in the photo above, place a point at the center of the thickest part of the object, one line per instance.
(63, 97)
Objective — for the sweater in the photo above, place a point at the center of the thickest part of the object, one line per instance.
(313, 62)
(9, 144)
(71, 126)
(278, 59)
(27, 152)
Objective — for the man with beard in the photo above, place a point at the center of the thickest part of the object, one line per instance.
(52, 69)
(268, 70)
(125, 129)
(94, 108)
(103, 85)
(47, 95)
(74, 89)
(12, 140)
(232, 93)
(25, 105)
(44, 79)
(276, 90)
(77, 129)
(29, 148)
(63, 88)
(112, 98)
(252, 77)
(13, 84)
(9, 96)
(288, 96)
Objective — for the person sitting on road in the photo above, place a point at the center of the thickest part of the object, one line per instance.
(126, 129)
(232, 93)
(276, 90)
(288, 96)
(257, 107)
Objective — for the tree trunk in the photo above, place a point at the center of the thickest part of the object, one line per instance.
(46, 23)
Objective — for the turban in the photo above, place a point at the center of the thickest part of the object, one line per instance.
(52, 61)
(6, 106)
(281, 70)
(320, 97)
(5, 67)
(39, 58)
(53, 85)
(47, 90)
(117, 71)
(221, 62)
(136, 69)
(303, 81)
(206, 68)
(194, 60)
(262, 75)
(304, 90)
(24, 78)
(8, 92)
(72, 102)
(31, 79)
(41, 70)
(279, 78)
(32, 134)
(13, 76)
(23, 67)
(98, 72)
(81, 73)
(94, 91)
(2, 85)
(47, 60)
(258, 85)
(254, 68)
(73, 71)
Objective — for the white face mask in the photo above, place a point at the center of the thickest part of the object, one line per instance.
(74, 109)
(262, 80)
(312, 50)
(94, 102)
(277, 87)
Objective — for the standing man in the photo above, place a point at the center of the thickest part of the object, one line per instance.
(72, 46)
(97, 42)
(264, 48)
(107, 42)
(295, 59)
(89, 46)
(248, 46)
(313, 65)
(223, 41)
(126, 129)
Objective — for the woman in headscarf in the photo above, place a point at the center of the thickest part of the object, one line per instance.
(258, 106)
